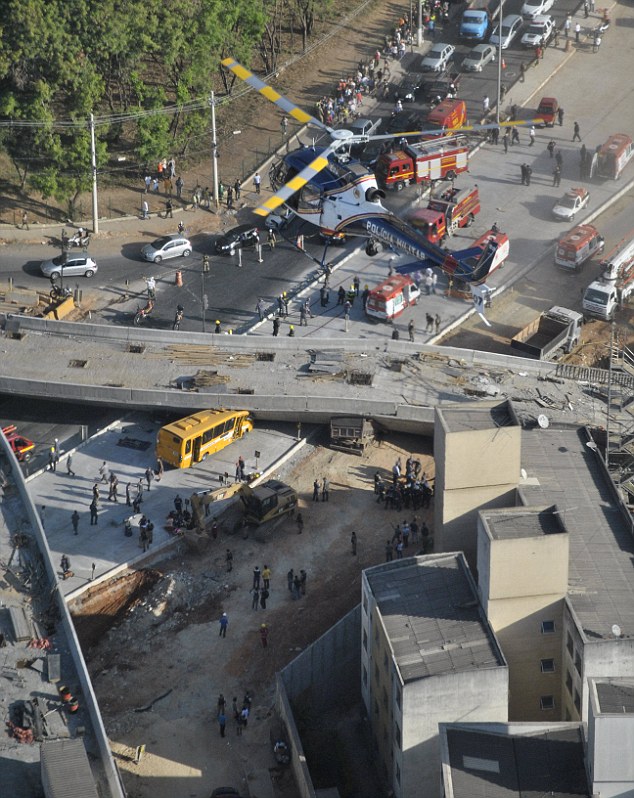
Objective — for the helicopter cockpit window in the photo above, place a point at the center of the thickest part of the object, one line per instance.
(309, 198)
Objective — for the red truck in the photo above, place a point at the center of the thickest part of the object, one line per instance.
(21, 446)
(442, 159)
(448, 210)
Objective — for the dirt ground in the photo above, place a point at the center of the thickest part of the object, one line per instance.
(169, 641)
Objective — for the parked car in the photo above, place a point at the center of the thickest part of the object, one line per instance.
(245, 235)
(166, 247)
(571, 203)
(69, 265)
(408, 88)
(535, 8)
(478, 57)
(438, 90)
(511, 25)
(539, 32)
(438, 58)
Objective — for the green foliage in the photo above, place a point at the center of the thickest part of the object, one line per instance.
(60, 60)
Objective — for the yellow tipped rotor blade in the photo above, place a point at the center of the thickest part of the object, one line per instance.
(294, 184)
(269, 92)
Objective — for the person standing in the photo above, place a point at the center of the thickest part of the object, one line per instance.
(556, 175)
(264, 594)
(316, 490)
(567, 25)
(74, 519)
(222, 722)
(529, 172)
(289, 580)
(229, 560)
(145, 210)
(94, 512)
(103, 472)
(410, 330)
(576, 136)
(551, 148)
(69, 466)
(522, 72)
(505, 141)
(224, 624)
(230, 198)
(25, 220)
(266, 576)
(52, 459)
(353, 543)
(257, 181)
(169, 209)
(237, 187)
(325, 490)
(179, 187)
(577, 32)
(271, 239)
(437, 321)
(302, 580)
(284, 125)
(531, 135)
(256, 577)
(276, 327)
(300, 523)
(255, 600)
(486, 104)
(149, 476)
(264, 633)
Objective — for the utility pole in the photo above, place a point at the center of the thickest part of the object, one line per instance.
(214, 151)
(93, 159)
(419, 37)
(500, 57)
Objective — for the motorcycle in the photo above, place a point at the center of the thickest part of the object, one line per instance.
(142, 313)
(57, 292)
(80, 239)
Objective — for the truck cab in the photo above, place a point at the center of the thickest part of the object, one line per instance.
(600, 300)
(390, 298)
(474, 25)
(547, 110)
(448, 115)
(577, 246)
(430, 223)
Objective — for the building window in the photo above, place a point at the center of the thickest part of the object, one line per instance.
(548, 627)
(547, 665)
(398, 697)
(578, 662)
(569, 644)
(569, 682)
(398, 774)
(397, 735)
(547, 702)
(365, 640)
(578, 701)
(365, 676)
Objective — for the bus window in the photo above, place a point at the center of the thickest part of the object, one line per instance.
(208, 435)
(230, 424)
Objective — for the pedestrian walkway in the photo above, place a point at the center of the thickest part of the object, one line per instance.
(128, 450)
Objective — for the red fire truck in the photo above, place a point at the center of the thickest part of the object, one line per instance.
(442, 159)
(448, 209)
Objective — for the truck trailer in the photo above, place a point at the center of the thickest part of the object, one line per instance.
(554, 330)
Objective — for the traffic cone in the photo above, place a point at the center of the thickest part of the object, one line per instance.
(178, 282)
(503, 64)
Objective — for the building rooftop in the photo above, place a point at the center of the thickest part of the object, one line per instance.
(464, 419)
(489, 765)
(432, 617)
(569, 474)
(521, 522)
(615, 696)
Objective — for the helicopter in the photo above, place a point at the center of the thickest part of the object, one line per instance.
(340, 195)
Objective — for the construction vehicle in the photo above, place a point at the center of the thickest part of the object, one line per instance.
(351, 434)
(577, 246)
(22, 447)
(267, 501)
(260, 503)
(442, 159)
(603, 296)
(448, 209)
(555, 329)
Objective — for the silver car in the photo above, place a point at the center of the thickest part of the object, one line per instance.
(69, 265)
(174, 246)
(479, 57)
(438, 58)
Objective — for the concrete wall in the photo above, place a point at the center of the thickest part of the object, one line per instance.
(326, 673)
(468, 696)
(106, 762)
(605, 659)
(610, 746)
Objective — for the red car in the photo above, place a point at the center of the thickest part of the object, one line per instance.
(21, 446)
(547, 110)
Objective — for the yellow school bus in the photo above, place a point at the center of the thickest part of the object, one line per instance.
(190, 440)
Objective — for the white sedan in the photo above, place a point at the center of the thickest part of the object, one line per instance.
(571, 203)
(438, 58)
(534, 8)
(479, 57)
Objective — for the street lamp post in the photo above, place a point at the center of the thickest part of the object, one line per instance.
(499, 101)
(214, 150)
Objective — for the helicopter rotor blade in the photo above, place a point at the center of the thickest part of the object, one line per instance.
(450, 133)
(297, 182)
(271, 94)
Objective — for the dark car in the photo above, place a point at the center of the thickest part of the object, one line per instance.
(408, 89)
(243, 236)
(435, 91)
